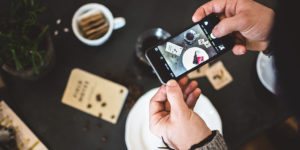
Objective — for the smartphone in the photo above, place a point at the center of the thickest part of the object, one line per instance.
(188, 50)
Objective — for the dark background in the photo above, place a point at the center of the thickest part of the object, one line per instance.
(245, 106)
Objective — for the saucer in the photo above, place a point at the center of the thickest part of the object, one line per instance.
(266, 71)
(137, 133)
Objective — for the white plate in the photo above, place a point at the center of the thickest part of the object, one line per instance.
(188, 57)
(137, 133)
(266, 71)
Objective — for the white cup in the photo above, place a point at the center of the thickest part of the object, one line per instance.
(114, 23)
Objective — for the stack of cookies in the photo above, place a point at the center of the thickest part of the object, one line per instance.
(93, 25)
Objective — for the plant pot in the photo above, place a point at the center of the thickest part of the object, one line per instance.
(29, 74)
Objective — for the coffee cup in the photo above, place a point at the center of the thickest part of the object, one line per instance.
(148, 39)
(190, 36)
(113, 23)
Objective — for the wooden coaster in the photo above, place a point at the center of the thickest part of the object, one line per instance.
(95, 95)
(200, 72)
(26, 140)
(218, 75)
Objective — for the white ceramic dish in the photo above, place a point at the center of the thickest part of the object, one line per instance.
(188, 57)
(114, 23)
(266, 72)
(137, 133)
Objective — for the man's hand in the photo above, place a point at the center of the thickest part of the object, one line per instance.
(172, 116)
(252, 21)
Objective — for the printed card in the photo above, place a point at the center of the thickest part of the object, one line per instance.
(207, 44)
(200, 72)
(95, 95)
(201, 41)
(25, 139)
(218, 75)
(174, 49)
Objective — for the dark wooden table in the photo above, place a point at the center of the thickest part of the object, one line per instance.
(245, 106)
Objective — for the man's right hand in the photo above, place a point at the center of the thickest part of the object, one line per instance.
(172, 117)
(252, 21)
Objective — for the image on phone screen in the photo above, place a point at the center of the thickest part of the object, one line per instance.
(189, 49)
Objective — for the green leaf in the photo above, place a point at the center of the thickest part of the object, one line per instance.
(32, 2)
(25, 2)
(16, 60)
(16, 26)
(35, 67)
(42, 34)
(42, 62)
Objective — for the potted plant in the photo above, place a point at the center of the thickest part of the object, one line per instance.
(26, 48)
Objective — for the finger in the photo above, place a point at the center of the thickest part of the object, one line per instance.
(240, 44)
(175, 97)
(157, 101)
(182, 82)
(222, 16)
(190, 88)
(192, 98)
(255, 45)
(239, 49)
(167, 106)
(228, 25)
(215, 6)
(160, 95)
(239, 38)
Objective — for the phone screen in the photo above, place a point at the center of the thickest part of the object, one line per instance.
(191, 48)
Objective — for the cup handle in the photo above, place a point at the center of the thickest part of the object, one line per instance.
(119, 22)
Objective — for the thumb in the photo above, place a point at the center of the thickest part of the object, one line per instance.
(175, 97)
(228, 25)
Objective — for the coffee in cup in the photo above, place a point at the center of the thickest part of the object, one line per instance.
(190, 36)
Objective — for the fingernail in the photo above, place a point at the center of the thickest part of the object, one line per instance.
(241, 51)
(216, 32)
(198, 90)
(194, 18)
(172, 83)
